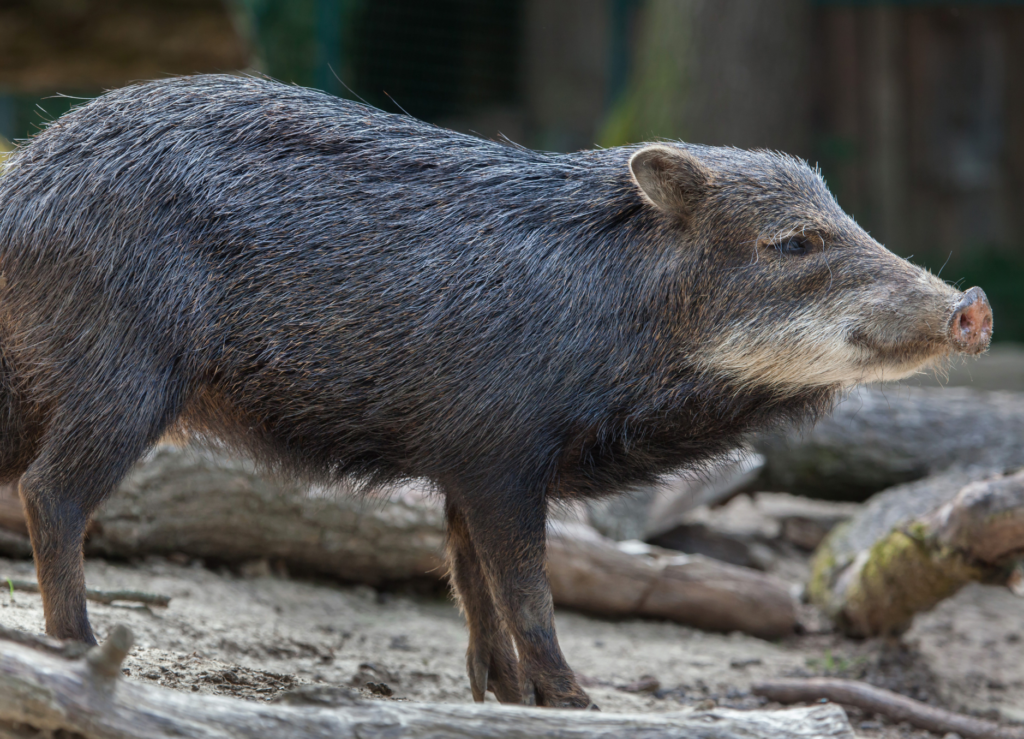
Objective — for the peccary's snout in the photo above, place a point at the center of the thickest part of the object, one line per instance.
(970, 327)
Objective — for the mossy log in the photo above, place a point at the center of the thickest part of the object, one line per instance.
(205, 504)
(42, 691)
(916, 544)
(881, 437)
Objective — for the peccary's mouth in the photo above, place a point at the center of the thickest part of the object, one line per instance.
(967, 330)
(888, 362)
(866, 338)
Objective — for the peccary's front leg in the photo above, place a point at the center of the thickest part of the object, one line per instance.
(491, 658)
(57, 527)
(507, 532)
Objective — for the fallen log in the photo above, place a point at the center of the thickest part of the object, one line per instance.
(590, 575)
(14, 544)
(207, 504)
(892, 706)
(752, 530)
(648, 511)
(881, 437)
(203, 503)
(914, 545)
(89, 697)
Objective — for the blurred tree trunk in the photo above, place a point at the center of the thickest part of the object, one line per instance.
(70, 45)
(720, 72)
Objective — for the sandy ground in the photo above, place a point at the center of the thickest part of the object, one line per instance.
(253, 634)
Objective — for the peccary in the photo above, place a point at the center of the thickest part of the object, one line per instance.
(344, 293)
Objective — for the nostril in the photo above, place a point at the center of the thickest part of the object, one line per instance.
(971, 327)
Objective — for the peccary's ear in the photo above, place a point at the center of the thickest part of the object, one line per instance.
(671, 179)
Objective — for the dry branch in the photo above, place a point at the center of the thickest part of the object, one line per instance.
(96, 596)
(893, 706)
(105, 659)
(41, 642)
(916, 544)
(204, 504)
(50, 693)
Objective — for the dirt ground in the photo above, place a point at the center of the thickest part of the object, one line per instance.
(254, 634)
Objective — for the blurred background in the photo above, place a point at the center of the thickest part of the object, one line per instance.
(914, 110)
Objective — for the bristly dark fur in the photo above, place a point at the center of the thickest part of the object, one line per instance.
(349, 292)
(346, 293)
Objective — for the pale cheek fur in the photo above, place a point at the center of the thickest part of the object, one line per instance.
(809, 350)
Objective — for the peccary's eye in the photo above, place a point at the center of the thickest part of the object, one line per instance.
(795, 247)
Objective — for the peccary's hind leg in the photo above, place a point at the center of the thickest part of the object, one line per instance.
(84, 454)
(491, 659)
(508, 533)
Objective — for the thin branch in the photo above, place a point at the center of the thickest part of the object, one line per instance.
(96, 596)
(893, 706)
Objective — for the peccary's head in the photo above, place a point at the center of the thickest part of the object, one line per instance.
(784, 290)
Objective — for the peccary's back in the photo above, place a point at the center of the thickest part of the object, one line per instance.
(359, 291)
